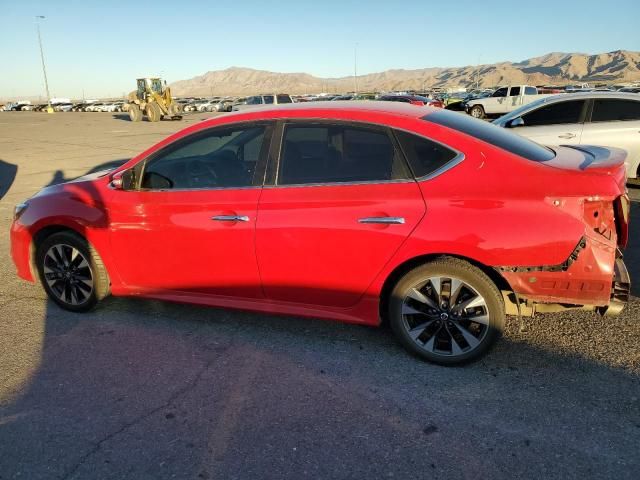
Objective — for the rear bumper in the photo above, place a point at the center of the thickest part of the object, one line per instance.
(620, 289)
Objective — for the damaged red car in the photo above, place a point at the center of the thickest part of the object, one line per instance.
(437, 223)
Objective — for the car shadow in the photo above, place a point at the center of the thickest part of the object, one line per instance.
(148, 389)
(8, 172)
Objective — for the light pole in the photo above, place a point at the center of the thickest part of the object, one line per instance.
(355, 68)
(44, 69)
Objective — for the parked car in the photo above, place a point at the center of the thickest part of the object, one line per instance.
(62, 107)
(503, 100)
(375, 210)
(591, 118)
(260, 101)
(94, 107)
(630, 90)
(413, 100)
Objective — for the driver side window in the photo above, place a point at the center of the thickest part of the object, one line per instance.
(501, 92)
(218, 158)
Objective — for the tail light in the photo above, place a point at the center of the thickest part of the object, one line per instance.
(622, 207)
(417, 102)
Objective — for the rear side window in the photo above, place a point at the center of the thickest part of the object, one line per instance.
(487, 132)
(268, 99)
(514, 92)
(424, 155)
(615, 110)
(555, 114)
(317, 153)
(284, 99)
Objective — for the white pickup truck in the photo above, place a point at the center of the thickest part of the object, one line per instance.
(503, 100)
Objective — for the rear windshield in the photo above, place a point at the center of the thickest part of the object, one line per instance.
(487, 132)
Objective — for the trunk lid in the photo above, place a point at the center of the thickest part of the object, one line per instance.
(592, 159)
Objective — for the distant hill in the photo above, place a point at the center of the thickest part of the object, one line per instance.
(553, 68)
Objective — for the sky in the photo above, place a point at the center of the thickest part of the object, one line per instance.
(99, 48)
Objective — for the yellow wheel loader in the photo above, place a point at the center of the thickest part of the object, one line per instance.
(153, 99)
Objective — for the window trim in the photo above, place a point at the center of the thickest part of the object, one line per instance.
(257, 175)
(275, 153)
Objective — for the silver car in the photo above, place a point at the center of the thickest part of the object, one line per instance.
(591, 118)
(263, 100)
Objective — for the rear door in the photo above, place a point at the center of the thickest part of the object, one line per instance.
(340, 204)
(559, 123)
(515, 99)
(616, 123)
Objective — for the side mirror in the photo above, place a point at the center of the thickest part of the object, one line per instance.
(516, 122)
(122, 180)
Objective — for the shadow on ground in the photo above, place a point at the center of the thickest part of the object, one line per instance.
(145, 389)
(8, 173)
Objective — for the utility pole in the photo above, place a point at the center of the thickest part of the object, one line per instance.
(44, 69)
(355, 68)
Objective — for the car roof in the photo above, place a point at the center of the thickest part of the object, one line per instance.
(591, 95)
(354, 106)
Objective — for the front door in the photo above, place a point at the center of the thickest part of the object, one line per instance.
(342, 204)
(558, 123)
(190, 224)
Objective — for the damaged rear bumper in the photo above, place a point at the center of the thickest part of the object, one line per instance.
(594, 277)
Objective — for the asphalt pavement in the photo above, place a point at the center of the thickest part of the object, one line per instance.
(143, 389)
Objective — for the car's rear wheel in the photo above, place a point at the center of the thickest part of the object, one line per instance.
(477, 111)
(71, 271)
(446, 311)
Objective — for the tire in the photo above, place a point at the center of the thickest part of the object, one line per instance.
(135, 114)
(174, 109)
(71, 271)
(446, 335)
(477, 112)
(153, 112)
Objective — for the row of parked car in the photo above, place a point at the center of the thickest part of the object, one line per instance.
(115, 106)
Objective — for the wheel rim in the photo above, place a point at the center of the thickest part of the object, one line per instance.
(475, 113)
(445, 316)
(68, 274)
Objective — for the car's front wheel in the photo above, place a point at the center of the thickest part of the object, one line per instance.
(477, 111)
(446, 311)
(71, 271)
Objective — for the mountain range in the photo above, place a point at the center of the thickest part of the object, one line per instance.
(551, 69)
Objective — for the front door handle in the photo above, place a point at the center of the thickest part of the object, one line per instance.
(567, 135)
(383, 220)
(230, 218)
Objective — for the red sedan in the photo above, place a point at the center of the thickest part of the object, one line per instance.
(435, 222)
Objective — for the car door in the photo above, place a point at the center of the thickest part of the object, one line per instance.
(558, 123)
(514, 100)
(189, 224)
(340, 203)
(616, 123)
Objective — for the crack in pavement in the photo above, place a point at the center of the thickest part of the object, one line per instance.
(182, 391)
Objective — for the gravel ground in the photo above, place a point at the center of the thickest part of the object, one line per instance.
(145, 389)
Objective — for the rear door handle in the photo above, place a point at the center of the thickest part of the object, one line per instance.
(383, 220)
(567, 135)
(230, 218)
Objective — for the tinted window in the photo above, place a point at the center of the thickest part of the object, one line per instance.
(254, 100)
(501, 92)
(268, 99)
(337, 153)
(500, 137)
(218, 158)
(555, 114)
(284, 99)
(514, 92)
(530, 91)
(424, 156)
(615, 110)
